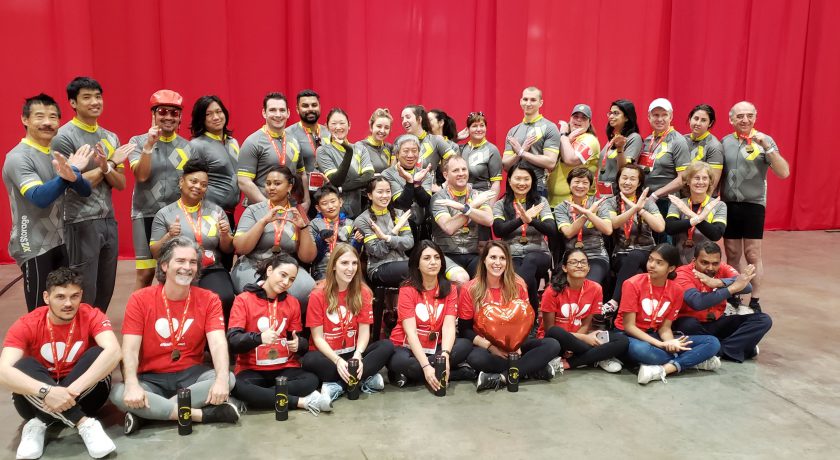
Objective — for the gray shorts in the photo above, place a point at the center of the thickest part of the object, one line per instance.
(141, 233)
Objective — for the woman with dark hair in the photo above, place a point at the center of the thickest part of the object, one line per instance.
(444, 126)
(433, 148)
(342, 164)
(523, 219)
(379, 150)
(339, 319)
(263, 333)
(649, 304)
(578, 148)
(411, 184)
(273, 226)
(329, 227)
(702, 144)
(633, 218)
(624, 144)
(386, 235)
(568, 307)
(200, 219)
(697, 217)
(583, 220)
(427, 309)
(483, 158)
(497, 286)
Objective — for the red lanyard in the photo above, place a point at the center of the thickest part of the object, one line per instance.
(181, 328)
(308, 134)
(693, 227)
(653, 148)
(194, 224)
(747, 138)
(656, 306)
(628, 224)
(344, 321)
(577, 307)
(579, 243)
(59, 363)
(430, 308)
(524, 238)
(278, 228)
(335, 232)
(281, 157)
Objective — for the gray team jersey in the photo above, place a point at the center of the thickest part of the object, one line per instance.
(258, 156)
(263, 250)
(593, 240)
(536, 240)
(718, 215)
(548, 140)
(465, 239)
(207, 216)
(744, 173)
(631, 152)
(34, 230)
(378, 250)
(360, 173)
(222, 159)
(306, 143)
(641, 236)
(484, 164)
(706, 148)
(669, 157)
(344, 229)
(433, 148)
(70, 138)
(380, 154)
(398, 184)
(161, 189)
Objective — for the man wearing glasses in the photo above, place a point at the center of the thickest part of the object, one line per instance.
(157, 161)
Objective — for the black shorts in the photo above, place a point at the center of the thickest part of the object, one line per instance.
(744, 220)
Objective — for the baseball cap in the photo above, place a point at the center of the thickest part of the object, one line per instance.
(661, 102)
(166, 97)
(584, 109)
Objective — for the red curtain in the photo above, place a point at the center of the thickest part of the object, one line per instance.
(459, 55)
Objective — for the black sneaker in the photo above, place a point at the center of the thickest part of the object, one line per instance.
(223, 413)
(488, 381)
(546, 373)
(755, 306)
(462, 373)
(131, 424)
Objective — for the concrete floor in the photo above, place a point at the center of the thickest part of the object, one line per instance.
(785, 404)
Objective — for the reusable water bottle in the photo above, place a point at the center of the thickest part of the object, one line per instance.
(513, 372)
(184, 411)
(440, 374)
(281, 399)
(353, 388)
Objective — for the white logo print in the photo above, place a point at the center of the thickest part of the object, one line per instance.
(263, 324)
(162, 328)
(60, 348)
(334, 316)
(422, 311)
(650, 307)
(573, 312)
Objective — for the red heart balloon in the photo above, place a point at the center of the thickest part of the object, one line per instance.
(505, 326)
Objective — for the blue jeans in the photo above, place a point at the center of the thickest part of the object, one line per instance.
(703, 348)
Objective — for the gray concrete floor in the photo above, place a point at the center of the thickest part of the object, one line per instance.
(785, 404)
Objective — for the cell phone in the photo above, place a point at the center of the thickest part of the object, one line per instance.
(602, 336)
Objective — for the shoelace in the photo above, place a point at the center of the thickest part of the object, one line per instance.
(313, 408)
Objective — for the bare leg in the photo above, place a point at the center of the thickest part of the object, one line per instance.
(734, 248)
(752, 252)
(144, 278)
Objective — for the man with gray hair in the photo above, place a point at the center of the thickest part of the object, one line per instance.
(165, 330)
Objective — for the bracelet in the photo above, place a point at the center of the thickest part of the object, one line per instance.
(445, 351)
(427, 365)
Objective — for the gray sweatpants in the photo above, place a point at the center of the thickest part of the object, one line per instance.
(93, 248)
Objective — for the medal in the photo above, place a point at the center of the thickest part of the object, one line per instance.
(433, 336)
(273, 354)
(689, 243)
(275, 249)
(523, 240)
(176, 336)
(750, 148)
(578, 244)
(176, 355)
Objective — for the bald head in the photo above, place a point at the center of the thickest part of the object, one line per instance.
(742, 117)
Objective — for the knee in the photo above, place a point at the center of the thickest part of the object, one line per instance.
(708, 340)
(458, 275)
(764, 320)
(552, 346)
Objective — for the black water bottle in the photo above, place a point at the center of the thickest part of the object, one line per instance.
(353, 388)
(440, 374)
(281, 399)
(184, 411)
(513, 372)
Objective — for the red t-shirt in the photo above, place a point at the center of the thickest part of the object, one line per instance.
(650, 313)
(145, 315)
(571, 307)
(466, 304)
(250, 312)
(340, 328)
(31, 334)
(687, 280)
(413, 304)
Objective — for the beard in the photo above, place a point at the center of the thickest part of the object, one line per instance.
(310, 117)
(184, 277)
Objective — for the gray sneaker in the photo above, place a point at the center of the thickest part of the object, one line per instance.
(332, 390)
(488, 381)
(317, 403)
(373, 384)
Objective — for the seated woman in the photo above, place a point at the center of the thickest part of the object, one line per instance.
(583, 221)
(523, 220)
(649, 304)
(330, 227)
(411, 184)
(635, 218)
(427, 309)
(696, 218)
(387, 236)
(568, 307)
(343, 165)
(496, 285)
(274, 226)
(203, 221)
(339, 318)
(263, 329)
(379, 150)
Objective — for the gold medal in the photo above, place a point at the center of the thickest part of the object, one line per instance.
(750, 148)
(523, 240)
(579, 245)
(176, 355)
(275, 249)
(689, 243)
(433, 336)
(273, 354)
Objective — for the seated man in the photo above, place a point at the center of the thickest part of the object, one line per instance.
(165, 330)
(57, 361)
(708, 283)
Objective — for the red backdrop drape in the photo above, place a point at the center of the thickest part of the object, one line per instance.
(460, 55)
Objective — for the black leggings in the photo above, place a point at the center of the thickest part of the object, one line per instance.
(585, 355)
(628, 264)
(532, 268)
(468, 262)
(403, 361)
(35, 271)
(374, 358)
(599, 269)
(536, 353)
(256, 388)
(218, 281)
(390, 274)
(88, 403)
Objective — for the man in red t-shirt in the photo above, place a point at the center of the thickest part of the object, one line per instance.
(708, 283)
(57, 361)
(165, 330)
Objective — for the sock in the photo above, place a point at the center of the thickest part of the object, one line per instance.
(754, 301)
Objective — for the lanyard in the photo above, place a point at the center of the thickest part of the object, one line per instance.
(656, 306)
(430, 308)
(273, 313)
(575, 215)
(181, 329)
(700, 206)
(335, 231)
(59, 363)
(577, 307)
(653, 148)
(344, 322)
(281, 157)
(628, 224)
(524, 238)
(194, 224)
(278, 228)
(308, 133)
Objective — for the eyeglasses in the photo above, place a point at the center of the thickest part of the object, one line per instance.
(577, 263)
(166, 111)
(475, 114)
(615, 114)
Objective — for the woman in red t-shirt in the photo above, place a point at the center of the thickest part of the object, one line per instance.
(263, 328)
(568, 307)
(649, 304)
(339, 317)
(496, 285)
(427, 308)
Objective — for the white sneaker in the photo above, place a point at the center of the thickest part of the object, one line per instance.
(557, 365)
(648, 372)
(710, 364)
(317, 403)
(332, 390)
(610, 365)
(745, 310)
(97, 442)
(32, 439)
(730, 310)
(373, 384)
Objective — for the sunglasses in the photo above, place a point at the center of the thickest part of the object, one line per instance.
(475, 114)
(316, 139)
(166, 111)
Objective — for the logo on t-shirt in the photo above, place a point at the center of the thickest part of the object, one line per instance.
(60, 348)
(422, 311)
(651, 306)
(573, 311)
(162, 328)
(335, 318)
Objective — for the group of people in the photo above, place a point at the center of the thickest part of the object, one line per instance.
(606, 256)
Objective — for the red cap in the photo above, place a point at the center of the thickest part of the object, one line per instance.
(166, 97)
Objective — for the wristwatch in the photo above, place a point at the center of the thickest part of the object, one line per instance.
(42, 393)
(466, 210)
